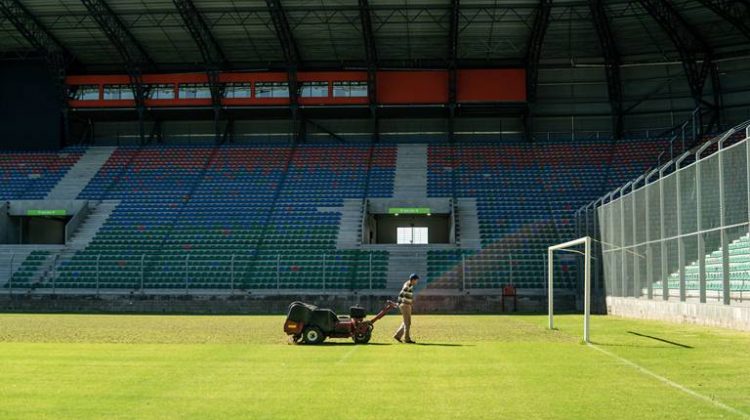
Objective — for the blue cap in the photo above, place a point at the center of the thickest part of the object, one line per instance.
(413, 276)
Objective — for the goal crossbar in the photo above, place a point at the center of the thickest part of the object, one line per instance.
(586, 241)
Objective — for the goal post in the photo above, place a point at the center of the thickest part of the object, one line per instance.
(586, 241)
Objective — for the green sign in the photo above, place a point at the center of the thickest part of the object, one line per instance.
(409, 210)
(46, 212)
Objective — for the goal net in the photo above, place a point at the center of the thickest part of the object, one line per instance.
(571, 246)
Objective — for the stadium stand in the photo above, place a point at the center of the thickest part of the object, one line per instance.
(268, 216)
(31, 175)
(220, 217)
(526, 194)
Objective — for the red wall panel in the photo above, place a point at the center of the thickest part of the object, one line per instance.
(491, 85)
(413, 87)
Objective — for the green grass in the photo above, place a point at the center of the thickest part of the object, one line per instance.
(121, 366)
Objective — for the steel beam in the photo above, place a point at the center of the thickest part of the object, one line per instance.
(612, 62)
(371, 57)
(696, 56)
(133, 55)
(534, 47)
(736, 12)
(452, 70)
(291, 61)
(56, 57)
(213, 57)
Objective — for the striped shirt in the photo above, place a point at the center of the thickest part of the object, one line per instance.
(406, 297)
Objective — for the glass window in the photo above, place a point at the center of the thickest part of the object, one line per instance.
(271, 90)
(315, 89)
(115, 92)
(86, 93)
(411, 235)
(194, 91)
(162, 91)
(237, 90)
(349, 89)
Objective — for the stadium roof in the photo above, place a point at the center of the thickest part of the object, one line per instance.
(328, 34)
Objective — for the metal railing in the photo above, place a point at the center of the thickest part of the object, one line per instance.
(681, 231)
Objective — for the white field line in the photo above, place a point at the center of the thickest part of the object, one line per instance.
(672, 383)
(347, 354)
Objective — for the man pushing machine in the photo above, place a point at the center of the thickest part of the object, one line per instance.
(405, 301)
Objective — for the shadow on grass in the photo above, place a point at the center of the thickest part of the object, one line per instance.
(671, 343)
(674, 343)
(444, 344)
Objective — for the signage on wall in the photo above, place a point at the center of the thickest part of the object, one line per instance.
(408, 210)
(46, 212)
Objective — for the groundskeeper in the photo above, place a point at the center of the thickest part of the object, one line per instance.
(405, 302)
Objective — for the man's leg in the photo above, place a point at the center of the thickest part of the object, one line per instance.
(400, 331)
(406, 311)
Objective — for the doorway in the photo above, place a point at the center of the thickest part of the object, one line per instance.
(412, 235)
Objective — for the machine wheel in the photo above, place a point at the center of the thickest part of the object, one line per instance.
(363, 338)
(313, 335)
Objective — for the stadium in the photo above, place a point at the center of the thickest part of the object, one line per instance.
(569, 180)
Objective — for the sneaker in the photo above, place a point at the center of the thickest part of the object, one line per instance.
(410, 341)
(397, 339)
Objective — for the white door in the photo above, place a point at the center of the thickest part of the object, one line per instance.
(411, 235)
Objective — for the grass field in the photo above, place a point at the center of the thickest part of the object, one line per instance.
(97, 366)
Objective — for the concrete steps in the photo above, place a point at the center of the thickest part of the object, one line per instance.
(350, 227)
(467, 222)
(411, 172)
(76, 179)
(404, 260)
(11, 257)
(94, 221)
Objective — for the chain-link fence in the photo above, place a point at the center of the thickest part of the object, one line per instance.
(681, 231)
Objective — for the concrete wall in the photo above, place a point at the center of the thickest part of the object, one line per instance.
(247, 304)
(708, 314)
(436, 205)
(5, 225)
(71, 207)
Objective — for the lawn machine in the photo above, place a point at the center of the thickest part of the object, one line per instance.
(309, 324)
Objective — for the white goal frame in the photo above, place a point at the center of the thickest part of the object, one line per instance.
(586, 241)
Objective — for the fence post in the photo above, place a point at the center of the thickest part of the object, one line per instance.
(463, 271)
(724, 238)
(54, 276)
(143, 258)
(98, 257)
(187, 272)
(370, 271)
(324, 271)
(510, 267)
(278, 271)
(10, 274)
(231, 275)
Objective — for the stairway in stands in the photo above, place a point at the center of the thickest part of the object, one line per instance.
(76, 179)
(410, 183)
(98, 215)
(411, 172)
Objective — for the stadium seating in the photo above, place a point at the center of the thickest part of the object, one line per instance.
(204, 217)
(739, 270)
(526, 197)
(268, 216)
(31, 175)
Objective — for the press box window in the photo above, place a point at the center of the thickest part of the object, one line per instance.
(237, 90)
(161, 92)
(194, 91)
(117, 92)
(86, 93)
(314, 90)
(271, 90)
(349, 89)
